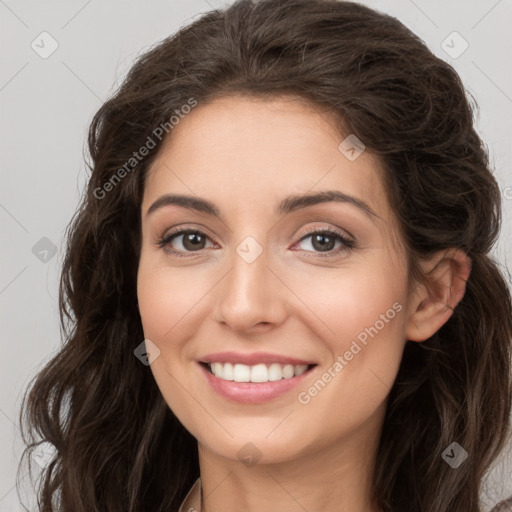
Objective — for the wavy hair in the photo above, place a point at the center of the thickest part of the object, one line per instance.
(118, 446)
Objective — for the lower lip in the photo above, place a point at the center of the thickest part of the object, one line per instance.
(253, 392)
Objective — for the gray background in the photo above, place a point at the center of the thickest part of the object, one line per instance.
(48, 103)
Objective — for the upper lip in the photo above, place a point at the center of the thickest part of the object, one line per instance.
(251, 359)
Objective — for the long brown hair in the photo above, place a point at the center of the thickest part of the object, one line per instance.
(118, 445)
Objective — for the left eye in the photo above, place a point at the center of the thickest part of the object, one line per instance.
(324, 241)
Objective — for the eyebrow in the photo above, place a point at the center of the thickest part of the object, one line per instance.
(287, 205)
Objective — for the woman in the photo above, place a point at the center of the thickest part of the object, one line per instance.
(278, 292)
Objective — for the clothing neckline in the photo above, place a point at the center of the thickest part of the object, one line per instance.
(193, 499)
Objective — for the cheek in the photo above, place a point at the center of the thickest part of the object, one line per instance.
(362, 315)
(349, 300)
(168, 297)
(168, 303)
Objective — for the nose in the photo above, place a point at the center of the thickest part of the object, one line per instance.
(251, 296)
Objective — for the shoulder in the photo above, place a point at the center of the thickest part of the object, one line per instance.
(503, 506)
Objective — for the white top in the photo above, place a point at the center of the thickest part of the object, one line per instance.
(192, 501)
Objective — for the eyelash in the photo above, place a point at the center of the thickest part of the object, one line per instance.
(348, 244)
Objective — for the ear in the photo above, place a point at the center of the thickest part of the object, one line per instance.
(432, 302)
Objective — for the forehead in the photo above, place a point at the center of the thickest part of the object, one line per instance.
(253, 151)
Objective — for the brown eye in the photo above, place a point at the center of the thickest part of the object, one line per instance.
(184, 241)
(193, 241)
(324, 241)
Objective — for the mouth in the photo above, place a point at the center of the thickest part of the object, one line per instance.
(256, 377)
(258, 373)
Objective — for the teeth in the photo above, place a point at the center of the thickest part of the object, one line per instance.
(241, 373)
(227, 371)
(259, 373)
(256, 373)
(275, 372)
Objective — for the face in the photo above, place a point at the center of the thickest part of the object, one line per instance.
(305, 298)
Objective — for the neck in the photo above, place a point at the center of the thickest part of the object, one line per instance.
(333, 478)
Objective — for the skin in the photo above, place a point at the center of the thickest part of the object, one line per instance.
(245, 155)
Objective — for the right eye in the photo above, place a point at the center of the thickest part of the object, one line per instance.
(188, 240)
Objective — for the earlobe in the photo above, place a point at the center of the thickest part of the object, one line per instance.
(434, 300)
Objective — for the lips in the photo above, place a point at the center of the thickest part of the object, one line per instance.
(254, 378)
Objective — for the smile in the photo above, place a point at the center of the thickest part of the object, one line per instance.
(255, 384)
